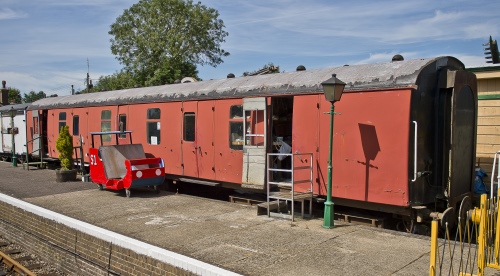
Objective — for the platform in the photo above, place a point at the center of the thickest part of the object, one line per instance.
(227, 235)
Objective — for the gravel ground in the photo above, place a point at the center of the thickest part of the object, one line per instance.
(26, 260)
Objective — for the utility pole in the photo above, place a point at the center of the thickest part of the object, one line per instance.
(88, 80)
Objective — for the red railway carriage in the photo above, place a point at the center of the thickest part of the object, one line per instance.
(405, 139)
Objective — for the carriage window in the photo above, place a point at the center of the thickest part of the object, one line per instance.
(62, 120)
(189, 126)
(122, 118)
(153, 126)
(236, 112)
(154, 113)
(106, 124)
(236, 127)
(76, 125)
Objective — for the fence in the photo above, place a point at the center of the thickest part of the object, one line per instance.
(473, 248)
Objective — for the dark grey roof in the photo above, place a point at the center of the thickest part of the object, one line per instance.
(6, 108)
(357, 77)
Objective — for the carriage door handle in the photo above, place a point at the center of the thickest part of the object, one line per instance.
(415, 153)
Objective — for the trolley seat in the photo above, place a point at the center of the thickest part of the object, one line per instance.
(128, 167)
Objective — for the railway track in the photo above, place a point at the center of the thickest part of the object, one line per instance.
(16, 261)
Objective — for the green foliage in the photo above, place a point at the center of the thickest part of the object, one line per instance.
(64, 145)
(269, 68)
(32, 96)
(117, 81)
(14, 95)
(169, 73)
(159, 40)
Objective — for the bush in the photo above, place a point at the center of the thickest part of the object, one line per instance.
(64, 145)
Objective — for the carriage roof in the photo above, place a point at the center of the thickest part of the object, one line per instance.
(357, 77)
(17, 107)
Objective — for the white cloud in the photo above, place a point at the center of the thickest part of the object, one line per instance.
(47, 47)
(7, 13)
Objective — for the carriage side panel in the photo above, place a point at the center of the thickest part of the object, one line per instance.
(370, 146)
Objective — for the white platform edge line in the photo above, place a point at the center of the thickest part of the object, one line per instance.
(149, 250)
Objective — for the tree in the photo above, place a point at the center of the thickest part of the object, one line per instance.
(169, 73)
(156, 40)
(117, 81)
(33, 96)
(64, 145)
(269, 68)
(14, 95)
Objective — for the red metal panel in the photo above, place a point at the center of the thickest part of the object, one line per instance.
(94, 120)
(370, 148)
(30, 129)
(189, 148)
(171, 137)
(305, 135)
(137, 122)
(52, 132)
(228, 162)
(82, 114)
(205, 139)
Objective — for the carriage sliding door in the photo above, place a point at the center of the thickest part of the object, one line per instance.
(254, 138)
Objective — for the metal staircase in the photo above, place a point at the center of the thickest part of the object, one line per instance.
(289, 185)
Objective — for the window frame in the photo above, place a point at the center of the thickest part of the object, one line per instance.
(235, 119)
(153, 121)
(192, 126)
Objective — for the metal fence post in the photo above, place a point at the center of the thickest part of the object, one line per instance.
(434, 247)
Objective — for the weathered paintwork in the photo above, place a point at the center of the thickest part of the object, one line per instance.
(381, 161)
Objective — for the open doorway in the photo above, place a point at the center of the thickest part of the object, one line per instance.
(281, 135)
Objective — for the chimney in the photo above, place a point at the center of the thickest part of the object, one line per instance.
(5, 94)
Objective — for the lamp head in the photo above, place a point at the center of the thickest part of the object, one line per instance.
(333, 89)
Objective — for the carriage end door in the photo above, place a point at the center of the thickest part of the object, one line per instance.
(254, 147)
(35, 133)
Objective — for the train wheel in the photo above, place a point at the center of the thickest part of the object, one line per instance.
(127, 192)
(100, 187)
(157, 189)
(168, 184)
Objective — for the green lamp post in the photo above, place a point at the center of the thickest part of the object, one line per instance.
(12, 114)
(333, 89)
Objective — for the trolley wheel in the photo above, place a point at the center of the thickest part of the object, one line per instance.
(127, 192)
(157, 189)
(100, 187)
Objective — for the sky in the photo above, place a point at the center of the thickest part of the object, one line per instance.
(49, 45)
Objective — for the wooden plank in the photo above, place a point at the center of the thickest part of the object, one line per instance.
(485, 111)
(492, 130)
(488, 139)
(488, 103)
(488, 121)
(489, 150)
(248, 201)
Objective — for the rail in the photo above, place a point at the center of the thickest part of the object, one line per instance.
(78, 151)
(39, 150)
(495, 162)
(301, 177)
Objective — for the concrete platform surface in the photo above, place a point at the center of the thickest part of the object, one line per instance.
(228, 235)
